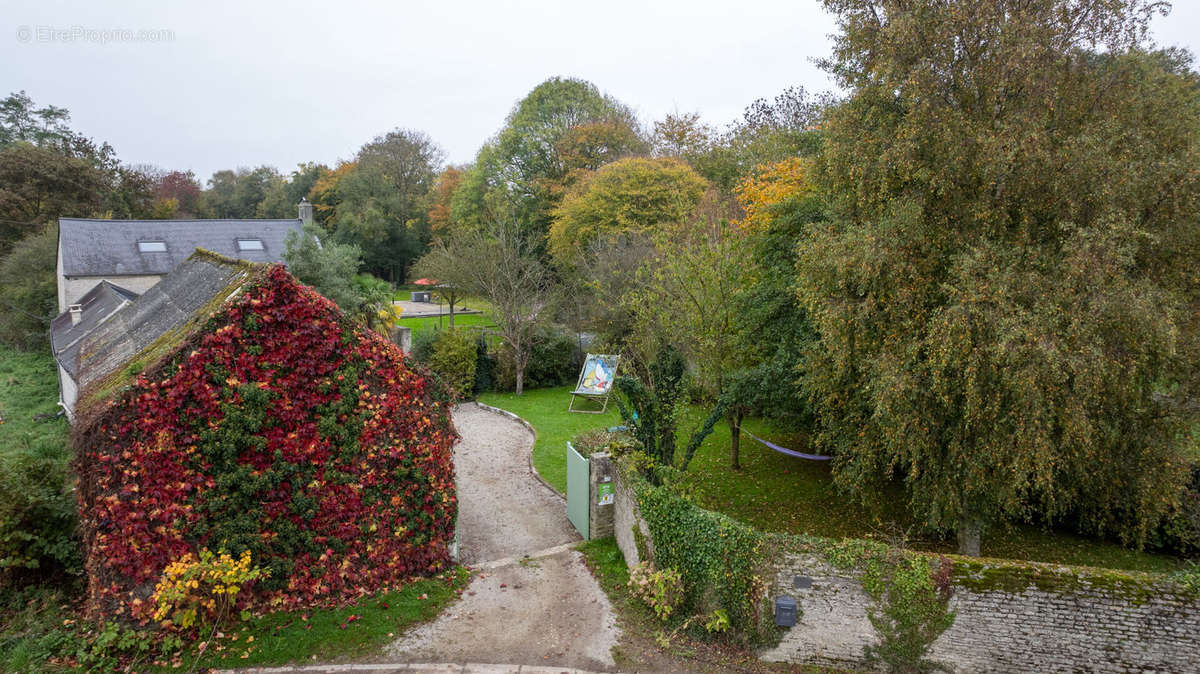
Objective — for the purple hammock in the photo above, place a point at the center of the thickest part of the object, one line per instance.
(789, 452)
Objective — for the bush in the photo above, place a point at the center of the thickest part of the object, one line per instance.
(615, 443)
(661, 590)
(555, 361)
(485, 366)
(37, 512)
(422, 345)
(454, 359)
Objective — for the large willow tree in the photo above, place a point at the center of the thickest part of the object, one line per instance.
(1005, 294)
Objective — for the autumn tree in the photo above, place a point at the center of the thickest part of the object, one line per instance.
(183, 188)
(40, 184)
(1007, 281)
(524, 164)
(443, 191)
(627, 197)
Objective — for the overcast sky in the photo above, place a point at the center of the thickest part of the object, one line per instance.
(217, 84)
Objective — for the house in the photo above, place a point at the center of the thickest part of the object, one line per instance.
(136, 254)
(232, 407)
(70, 328)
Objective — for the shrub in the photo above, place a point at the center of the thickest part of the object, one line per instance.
(615, 443)
(454, 359)
(279, 428)
(556, 361)
(661, 590)
(202, 590)
(485, 366)
(37, 514)
(422, 345)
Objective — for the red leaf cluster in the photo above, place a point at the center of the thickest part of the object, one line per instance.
(377, 501)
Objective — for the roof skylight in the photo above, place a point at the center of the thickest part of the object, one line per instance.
(152, 246)
(249, 244)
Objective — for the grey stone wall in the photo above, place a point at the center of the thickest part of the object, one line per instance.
(1038, 618)
(625, 517)
(1088, 626)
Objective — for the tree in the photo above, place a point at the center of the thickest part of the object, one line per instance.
(630, 196)
(443, 191)
(498, 263)
(28, 289)
(524, 164)
(383, 201)
(40, 184)
(21, 122)
(327, 266)
(1003, 289)
(246, 193)
(688, 296)
(183, 187)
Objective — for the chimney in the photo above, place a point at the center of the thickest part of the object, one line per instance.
(76, 313)
(305, 211)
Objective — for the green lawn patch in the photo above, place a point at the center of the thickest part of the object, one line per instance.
(425, 323)
(546, 409)
(332, 634)
(28, 387)
(779, 493)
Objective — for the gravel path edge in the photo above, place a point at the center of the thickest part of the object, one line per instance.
(526, 424)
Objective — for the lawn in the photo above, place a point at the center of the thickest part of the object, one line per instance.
(546, 409)
(437, 323)
(779, 493)
(29, 387)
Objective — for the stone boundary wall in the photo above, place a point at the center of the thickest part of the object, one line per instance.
(1010, 616)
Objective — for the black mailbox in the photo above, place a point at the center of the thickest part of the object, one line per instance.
(785, 611)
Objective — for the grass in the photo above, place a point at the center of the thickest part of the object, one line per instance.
(330, 634)
(546, 409)
(40, 631)
(29, 387)
(778, 493)
(434, 323)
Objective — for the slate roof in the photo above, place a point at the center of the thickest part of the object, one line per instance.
(98, 305)
(162, 317)
(110, 247)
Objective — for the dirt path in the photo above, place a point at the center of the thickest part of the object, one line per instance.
(532, 601)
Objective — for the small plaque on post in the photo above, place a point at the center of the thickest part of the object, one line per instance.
(604, 493)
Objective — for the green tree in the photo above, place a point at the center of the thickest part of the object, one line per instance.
(525, 161)
(40, 184)
(383, 202)
(28, 289)
(1004, 287)
(327, 266)
(629, 196)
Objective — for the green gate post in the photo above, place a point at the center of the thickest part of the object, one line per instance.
(578, 489)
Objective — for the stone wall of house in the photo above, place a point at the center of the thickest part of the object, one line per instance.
(1009, 616)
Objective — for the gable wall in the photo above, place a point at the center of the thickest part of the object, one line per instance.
(73, 288)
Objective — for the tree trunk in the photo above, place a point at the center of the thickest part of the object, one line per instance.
(968, 537)
(735, 440)
(520, 375)
(451, 301)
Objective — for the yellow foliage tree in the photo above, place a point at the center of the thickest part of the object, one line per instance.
(772, 185)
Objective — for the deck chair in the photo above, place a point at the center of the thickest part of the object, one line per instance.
(595, 382)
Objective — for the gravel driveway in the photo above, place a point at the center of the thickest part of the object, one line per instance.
(531, 601)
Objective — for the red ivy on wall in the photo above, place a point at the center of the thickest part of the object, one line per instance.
(281, 428)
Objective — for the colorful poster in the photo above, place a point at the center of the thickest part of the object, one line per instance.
(597, 376)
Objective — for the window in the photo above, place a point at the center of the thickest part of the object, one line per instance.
(250, 244)
(152, 246)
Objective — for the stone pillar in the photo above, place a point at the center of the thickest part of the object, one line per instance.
(601, 490)
(402, 336)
